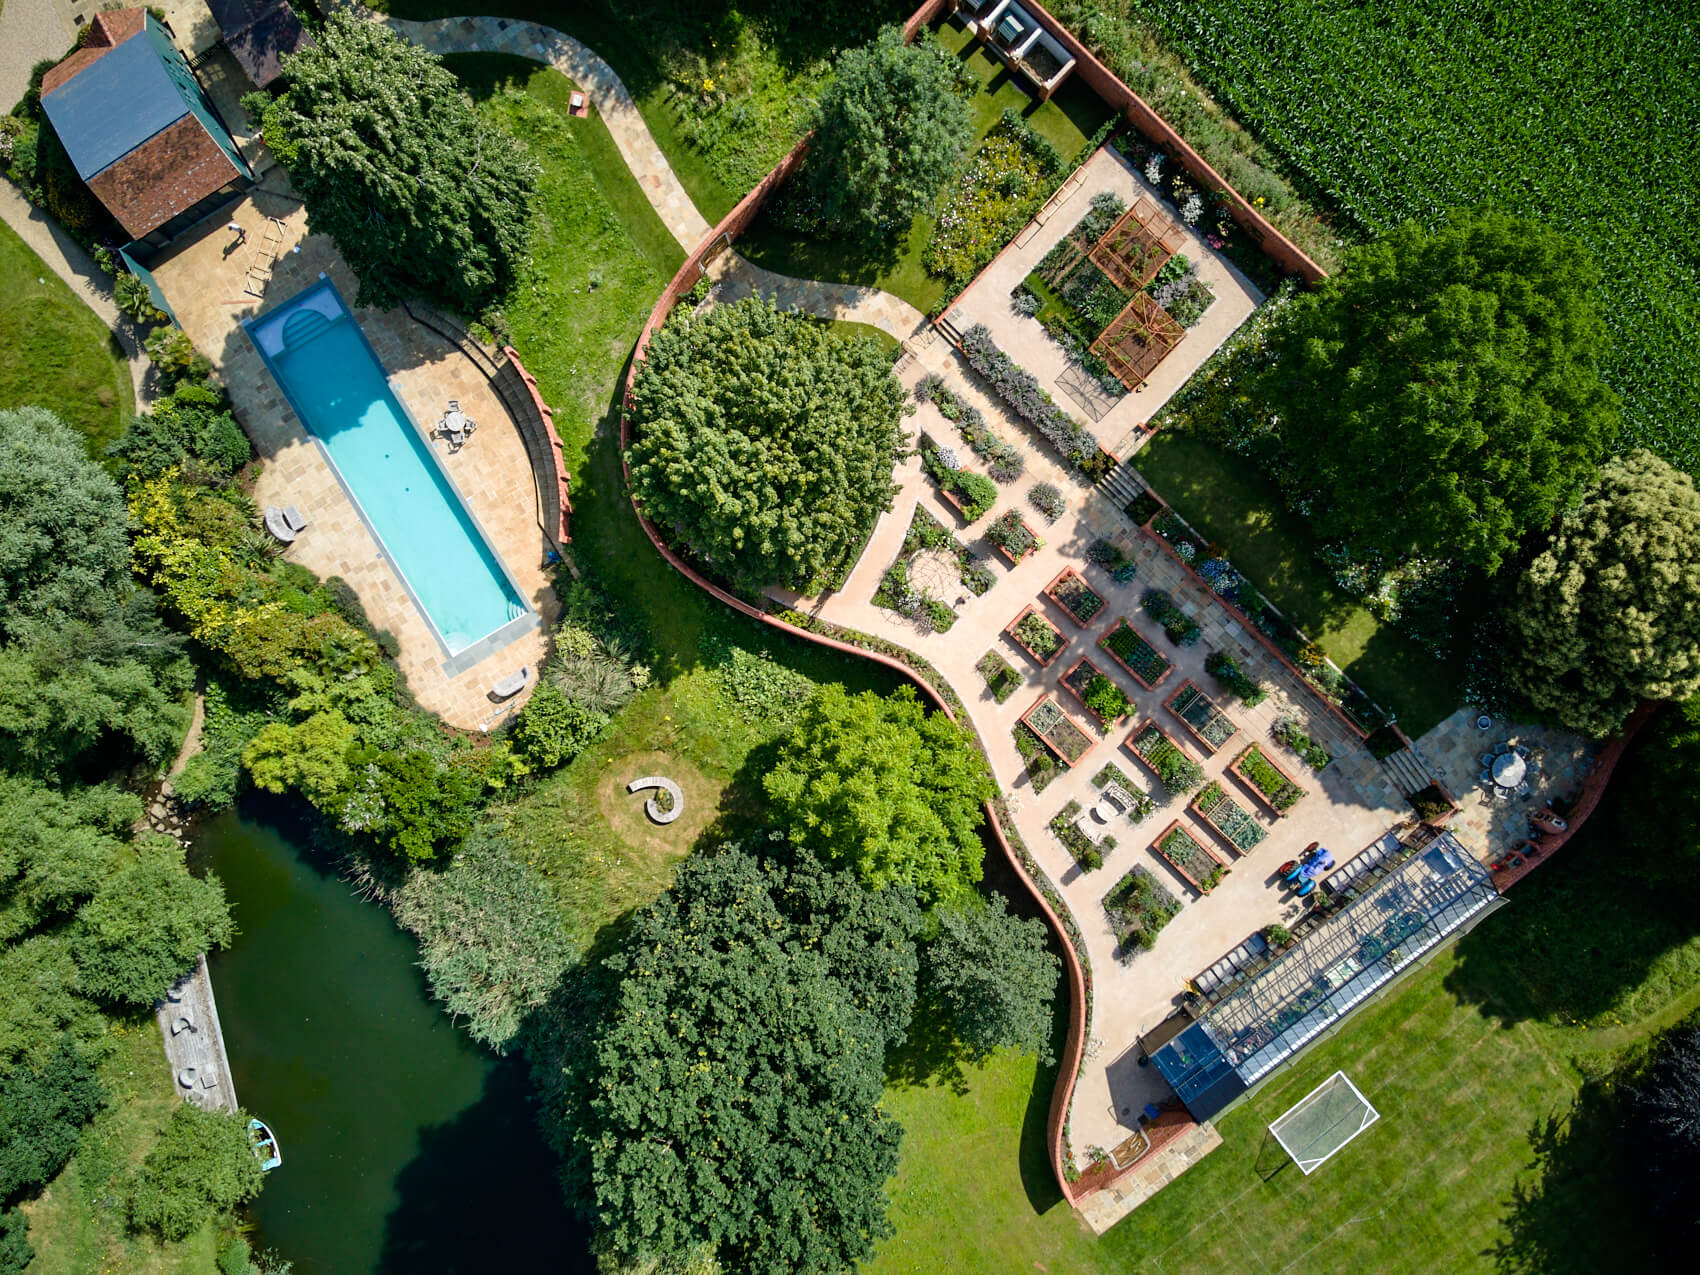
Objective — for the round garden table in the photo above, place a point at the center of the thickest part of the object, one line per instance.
(1509, 769)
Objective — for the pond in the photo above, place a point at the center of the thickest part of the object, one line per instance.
(406, 1147)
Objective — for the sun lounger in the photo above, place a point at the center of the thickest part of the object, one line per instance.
(285, 523)
(511, 685)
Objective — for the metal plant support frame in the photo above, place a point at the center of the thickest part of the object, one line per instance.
(1137, 340)
(1137, 246)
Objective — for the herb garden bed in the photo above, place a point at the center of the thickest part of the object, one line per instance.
(1079, 600)
(1240, 684)
(1087, 853)
(1040, 762)
(1179, 627)
(1186, 854)
(1164, 758)
(1029, 400)
(1061, 733)
(1227, 818)
(1012, 537)
(1029, 631)
(1139, 907)
(1310, 752)
(1268, 782)
(1209, 725)
(1001, 677)
(1143, 662)
(898, 591)
(972, 494)
(1101, 697)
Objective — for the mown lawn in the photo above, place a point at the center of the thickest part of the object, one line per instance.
(767, 63)
(1067, 121)
(78, 1224)
(55, 352)
(1490, 1068)
(1230, 502)
(591, 216)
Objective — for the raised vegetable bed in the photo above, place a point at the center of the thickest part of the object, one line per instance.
(1028, 631)
(1227, 818)
(1189, 856)
(1270, 784)
(1061, 733)
(1126, 646)
(1164, 758)
(1097, 694)
(1079, 600)
(1065, 825)
(1209, 725)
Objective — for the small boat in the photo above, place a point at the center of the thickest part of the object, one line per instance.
(264, 1145)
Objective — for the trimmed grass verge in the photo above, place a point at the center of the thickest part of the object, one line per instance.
(55, 352)
(1223, 496)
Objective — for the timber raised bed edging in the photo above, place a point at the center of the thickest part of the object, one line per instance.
(1215, 827)
(1050, 592)
(1068, 717)
(1156, 849)
(1074, 668)
(1062, 642)
(1257, 793)
(1139, 728)
(1123, 622)
(1210, 750)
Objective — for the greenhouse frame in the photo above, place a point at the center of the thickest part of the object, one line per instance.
(1433, 894)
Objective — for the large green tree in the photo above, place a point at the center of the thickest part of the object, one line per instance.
(877, 784)
(42, 1114)
(729, 1097)
(146, 924)
(995, 977)
(421, 195)
(65, 547)
(1439, 396)
(1608, 614)
(890, 132)
(201, 1168)
(765, 443)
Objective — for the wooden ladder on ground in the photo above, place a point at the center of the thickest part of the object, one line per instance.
(264, 260)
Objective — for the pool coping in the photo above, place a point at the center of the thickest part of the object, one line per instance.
(454, 662)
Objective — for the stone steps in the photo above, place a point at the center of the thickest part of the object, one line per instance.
(1407, 772)
(1120, 487)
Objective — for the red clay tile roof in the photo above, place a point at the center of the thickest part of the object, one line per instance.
(173, 170)
(106, 32)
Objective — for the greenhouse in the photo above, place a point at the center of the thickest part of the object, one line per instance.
(1434, 893)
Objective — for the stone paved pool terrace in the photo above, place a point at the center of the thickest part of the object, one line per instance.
(207, 277)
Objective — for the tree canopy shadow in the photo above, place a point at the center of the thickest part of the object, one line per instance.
(483, 1193)
(1581, 939)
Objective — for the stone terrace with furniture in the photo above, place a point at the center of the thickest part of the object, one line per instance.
(212, 283)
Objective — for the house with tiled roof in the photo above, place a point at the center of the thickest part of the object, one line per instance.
(140, 130)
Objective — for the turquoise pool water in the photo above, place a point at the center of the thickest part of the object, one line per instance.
(338, 389)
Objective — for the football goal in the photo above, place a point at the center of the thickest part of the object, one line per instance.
(1323, 1121)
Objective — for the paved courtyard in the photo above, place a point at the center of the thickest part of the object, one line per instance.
(1349, 806)
(988, 301)
(210, 281)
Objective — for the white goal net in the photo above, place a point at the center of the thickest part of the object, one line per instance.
(1323, 1121)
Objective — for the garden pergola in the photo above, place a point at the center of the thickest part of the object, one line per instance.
(1132, 251)
(1137, 340)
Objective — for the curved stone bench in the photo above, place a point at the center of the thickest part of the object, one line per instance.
(650, 808)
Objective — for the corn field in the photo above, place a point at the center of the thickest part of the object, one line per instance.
(1582, 113)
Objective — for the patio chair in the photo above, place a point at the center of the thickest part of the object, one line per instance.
(1486, 777)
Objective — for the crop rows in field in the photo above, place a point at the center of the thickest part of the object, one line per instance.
(1582, 113)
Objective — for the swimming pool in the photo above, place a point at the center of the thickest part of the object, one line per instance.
(333, 380)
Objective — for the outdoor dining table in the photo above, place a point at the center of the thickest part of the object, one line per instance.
(1509, 769)
(455, 422)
